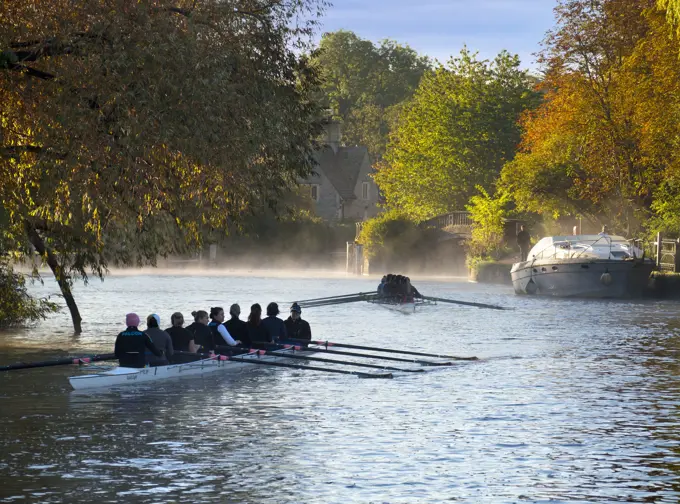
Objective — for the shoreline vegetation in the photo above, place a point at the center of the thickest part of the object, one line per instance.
(105, 163)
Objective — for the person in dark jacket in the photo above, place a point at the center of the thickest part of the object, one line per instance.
(203, 335)
(132, 345)
(237, 327)
(182, 339)
(161, 339)
(256, 331)
(276, 329)
(523, 242)
(295, 326)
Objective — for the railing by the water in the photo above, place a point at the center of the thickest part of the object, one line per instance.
(667, 258)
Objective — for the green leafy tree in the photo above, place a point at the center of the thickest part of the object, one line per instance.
(130, 130)
(362, 83)
(455, 134)
(488, 214)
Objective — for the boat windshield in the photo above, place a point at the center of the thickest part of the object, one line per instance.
(600, 246)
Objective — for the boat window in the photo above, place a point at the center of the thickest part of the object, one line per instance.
(554, 268)
(584, 266)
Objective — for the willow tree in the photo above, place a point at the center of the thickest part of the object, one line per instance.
(132, 129)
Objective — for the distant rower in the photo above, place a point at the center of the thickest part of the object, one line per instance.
(132, 344)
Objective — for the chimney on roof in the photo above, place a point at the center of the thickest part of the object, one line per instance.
(333, 135)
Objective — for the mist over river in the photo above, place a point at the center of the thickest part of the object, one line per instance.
(571, 401)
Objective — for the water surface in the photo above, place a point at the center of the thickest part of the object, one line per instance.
(571, 401)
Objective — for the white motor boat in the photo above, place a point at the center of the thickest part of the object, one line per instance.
(595, 266)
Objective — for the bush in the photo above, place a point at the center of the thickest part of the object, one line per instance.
(17, 307)
(394, 240)
(488, 213)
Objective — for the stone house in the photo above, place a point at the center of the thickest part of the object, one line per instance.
(341, 186)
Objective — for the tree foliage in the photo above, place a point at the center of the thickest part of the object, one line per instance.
(455, 134)
(604, 143)
(130, 130)
(17, 307)
(392, 239)
(363, 84)
(488, 214)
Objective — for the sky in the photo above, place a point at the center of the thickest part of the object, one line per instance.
(440, 28)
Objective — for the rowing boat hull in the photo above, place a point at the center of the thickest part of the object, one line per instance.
(401, 307)
(120, 376)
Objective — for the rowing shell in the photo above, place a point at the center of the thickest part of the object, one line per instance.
(128, 376)
(401, 306)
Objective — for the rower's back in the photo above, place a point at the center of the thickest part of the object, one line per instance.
(161, 339)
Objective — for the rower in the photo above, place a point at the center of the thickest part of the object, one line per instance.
(182, 340)
(132, 344)
(237, 327)
(381, 287)
(295, 326)
(412, 291)
(203, 335)
(220, 333)
(161, 339)
(257, 333)
(276, 329)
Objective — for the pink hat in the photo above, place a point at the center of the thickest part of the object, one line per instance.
(132, 320)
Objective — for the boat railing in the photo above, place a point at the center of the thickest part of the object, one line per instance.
(570, 244)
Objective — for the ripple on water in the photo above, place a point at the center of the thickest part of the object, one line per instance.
(571, 401)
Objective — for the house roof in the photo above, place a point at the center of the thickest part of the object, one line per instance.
(342, 168)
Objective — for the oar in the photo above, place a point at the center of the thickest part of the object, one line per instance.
(378, 357)
(466, 303)
(335, 302)
(346, 363)
(296, 366)
(335, 297)
(58, 362)
(380, 349)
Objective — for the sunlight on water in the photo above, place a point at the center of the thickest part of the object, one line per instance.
(571, 401)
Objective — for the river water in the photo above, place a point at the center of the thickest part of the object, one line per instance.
(571, 401)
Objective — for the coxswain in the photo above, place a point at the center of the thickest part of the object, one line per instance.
(132, 344)
(237, 327)
(256, 331)
(203, 336)
(295, 326)
(182, 340)
(216, 325)
(276, 329)
(161, 339)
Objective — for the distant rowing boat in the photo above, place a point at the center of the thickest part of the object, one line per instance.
(119, 376)
(400, 305)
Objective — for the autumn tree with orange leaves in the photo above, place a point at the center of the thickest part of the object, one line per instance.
(132, 129)
(604, 142)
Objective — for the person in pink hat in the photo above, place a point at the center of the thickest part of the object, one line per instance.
(132, 344)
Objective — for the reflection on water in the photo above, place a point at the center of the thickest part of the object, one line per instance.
(571, 401)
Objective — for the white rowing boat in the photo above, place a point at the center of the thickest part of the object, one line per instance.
(119, 376)
(401, 306)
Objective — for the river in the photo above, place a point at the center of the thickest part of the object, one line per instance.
(571, 401)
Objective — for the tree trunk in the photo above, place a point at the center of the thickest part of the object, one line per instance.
(62, 279)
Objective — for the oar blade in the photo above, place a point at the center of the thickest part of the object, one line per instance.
(375, 375)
